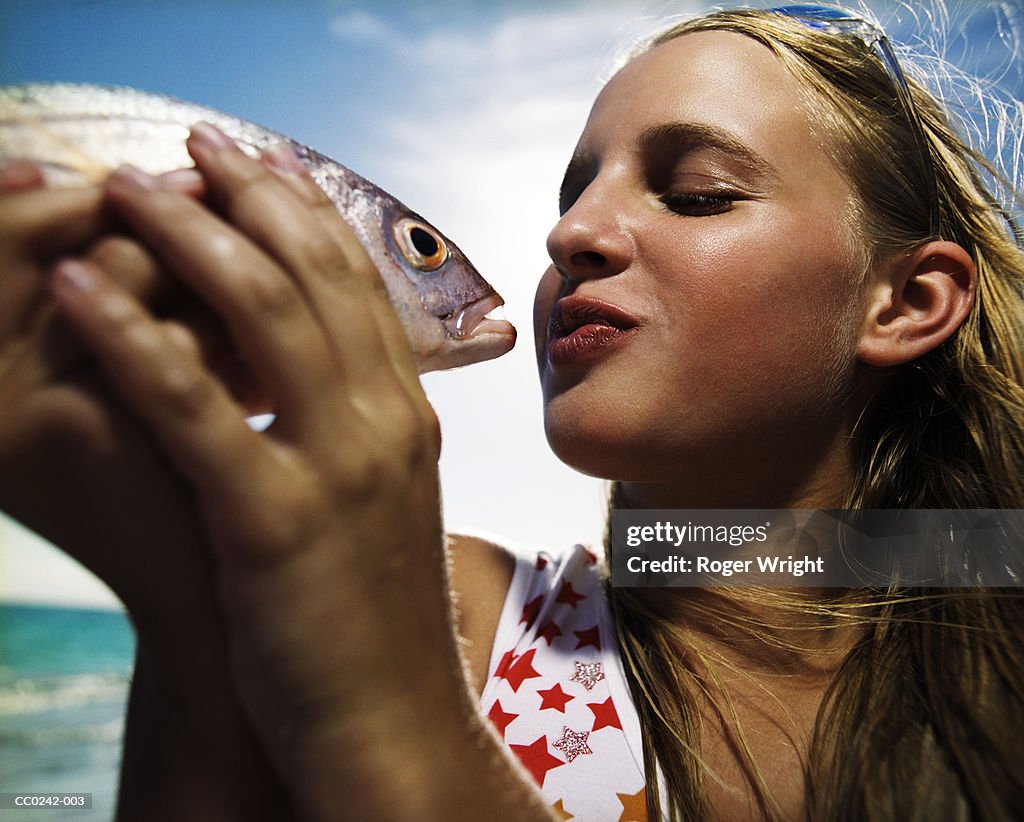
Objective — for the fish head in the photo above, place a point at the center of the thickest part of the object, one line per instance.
(440, 298)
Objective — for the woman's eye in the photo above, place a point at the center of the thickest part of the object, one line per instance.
(697, 205)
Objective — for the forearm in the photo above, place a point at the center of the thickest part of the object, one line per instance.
(418, 761)
(189, 752)
(403, 738)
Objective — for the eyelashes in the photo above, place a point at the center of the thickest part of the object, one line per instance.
(697, 205)
(689, 204)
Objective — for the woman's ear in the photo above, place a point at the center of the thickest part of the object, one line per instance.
(915, 303)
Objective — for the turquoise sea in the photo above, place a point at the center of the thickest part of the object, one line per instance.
(64, 676)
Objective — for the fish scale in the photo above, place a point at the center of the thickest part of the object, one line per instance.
(78, 134)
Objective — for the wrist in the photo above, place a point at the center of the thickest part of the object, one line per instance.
(396, 763)
(383, 746)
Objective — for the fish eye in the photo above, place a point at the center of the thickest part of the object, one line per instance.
(420, 244)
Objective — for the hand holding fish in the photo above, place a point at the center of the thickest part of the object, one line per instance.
(77, 467)
(72, 461)
(326, 527)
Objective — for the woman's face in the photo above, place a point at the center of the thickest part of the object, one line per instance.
(703, 303)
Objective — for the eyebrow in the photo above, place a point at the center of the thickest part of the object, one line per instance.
(688, 136)
(681, 137)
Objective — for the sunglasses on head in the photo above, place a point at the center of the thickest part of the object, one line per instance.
(834, 20)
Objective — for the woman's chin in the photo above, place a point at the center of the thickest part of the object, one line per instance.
(601, 453)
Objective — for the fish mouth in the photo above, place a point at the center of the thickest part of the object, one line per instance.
(473, 320)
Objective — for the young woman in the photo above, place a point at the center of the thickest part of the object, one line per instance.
(778, 281)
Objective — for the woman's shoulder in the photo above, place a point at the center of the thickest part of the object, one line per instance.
(481, 571)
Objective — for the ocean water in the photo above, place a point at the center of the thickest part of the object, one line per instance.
(64, 676)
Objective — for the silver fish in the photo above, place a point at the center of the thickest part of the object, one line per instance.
(78, 134)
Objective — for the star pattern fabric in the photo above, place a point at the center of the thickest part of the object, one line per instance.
(557, 694)
(634, 806)
(591, 636)
(499, 718)
(530, 611)
(588, 674)
(521, 670)
(572, 743)
(554, 697)
(604, 715)
(567, 595)
(549, 632)
(537, 759)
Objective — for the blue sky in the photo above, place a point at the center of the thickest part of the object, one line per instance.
(465, 110)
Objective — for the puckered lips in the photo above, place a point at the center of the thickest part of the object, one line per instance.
(582, 328)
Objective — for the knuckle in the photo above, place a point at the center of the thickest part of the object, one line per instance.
(126, 320)
(434, 437)
(248, 176)
(272, 295)
(175, 378)
(361, 475)
(126, 262)
(324, 257)
(183, 388)
(313, 194)
(415, 434)
(112, 248)
(291, 521)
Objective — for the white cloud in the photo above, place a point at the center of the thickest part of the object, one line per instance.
(361, 26)
(482, 157)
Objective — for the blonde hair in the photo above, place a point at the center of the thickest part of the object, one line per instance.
(925, 715)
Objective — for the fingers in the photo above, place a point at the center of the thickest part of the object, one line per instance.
(50, 221)
(303, 302)
(330, 268)
(267, 316)
(132, 267)
(286, 165)
(20, 176)
(37, 224)
(184, 180)
(158, 369)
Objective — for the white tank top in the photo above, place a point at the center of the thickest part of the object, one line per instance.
(557, 693)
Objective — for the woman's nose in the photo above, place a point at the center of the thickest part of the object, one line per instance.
(589, 240)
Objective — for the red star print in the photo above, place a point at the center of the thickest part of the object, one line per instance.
(520, 670)
(591, 636)
(549, 632)
(567, 595)
(504, 664)
(530, 611)
(542, 563)
(536, 758)
(499, 718)
(554, 698)
(604, 715)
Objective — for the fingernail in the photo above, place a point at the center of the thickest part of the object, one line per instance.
(133, 177)
(210, 137)
(181, 178)
(283, 158)
(73, 275)
(16, 174)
